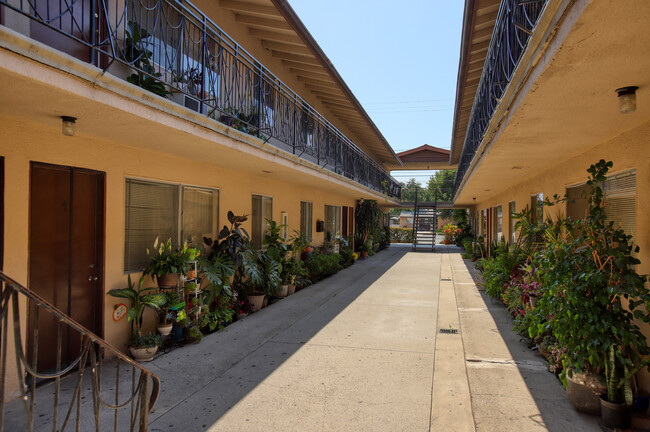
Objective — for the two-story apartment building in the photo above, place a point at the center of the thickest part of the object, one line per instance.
(545, 89)
(123, 121)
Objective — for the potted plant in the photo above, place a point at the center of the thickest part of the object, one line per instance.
(616, 406)
(168, 264)
(138, 54)
(593, 297)
(142, 347)
(169, 311)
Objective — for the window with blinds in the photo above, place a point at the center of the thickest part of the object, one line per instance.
(619, 200)
(306, 219)
(619, 193)
(262, 209)
(332, 222)
(161, 210)
(199, 214)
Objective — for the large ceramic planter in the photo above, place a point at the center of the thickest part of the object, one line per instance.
(583, 393)
(167, 281)
(282, 292)
(143, 354)
(291, 289)
(615, 416)
(165, 329)
(256, 301)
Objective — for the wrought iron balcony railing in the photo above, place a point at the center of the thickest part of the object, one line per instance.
(85, 391)
(514, 24)
(173, 49)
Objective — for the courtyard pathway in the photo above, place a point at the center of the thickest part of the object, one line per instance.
(363, 351)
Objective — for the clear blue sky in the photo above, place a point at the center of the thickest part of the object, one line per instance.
(400, 59)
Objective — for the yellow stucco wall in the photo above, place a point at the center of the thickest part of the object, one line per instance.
(21, 143)
(628, 150)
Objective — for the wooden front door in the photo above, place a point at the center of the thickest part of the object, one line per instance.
(65, 255)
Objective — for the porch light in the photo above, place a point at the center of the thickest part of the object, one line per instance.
(68, 125)
(626, 99)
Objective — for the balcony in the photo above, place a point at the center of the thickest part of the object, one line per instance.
(177, 52)
(514, 25)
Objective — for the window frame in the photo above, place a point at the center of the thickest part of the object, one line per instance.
(309, 232)
(178, 214)
(263, 225)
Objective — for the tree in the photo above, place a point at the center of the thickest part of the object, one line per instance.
(410, 188)
(441, 185)
(441, 189)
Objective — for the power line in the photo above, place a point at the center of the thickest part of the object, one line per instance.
(408, 102)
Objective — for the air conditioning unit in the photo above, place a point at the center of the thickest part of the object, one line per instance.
(189, 102)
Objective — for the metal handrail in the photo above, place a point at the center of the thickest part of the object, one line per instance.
(137, 402)
(173, 46)
(514, 25)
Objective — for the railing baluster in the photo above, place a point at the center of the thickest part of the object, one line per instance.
(57, 380)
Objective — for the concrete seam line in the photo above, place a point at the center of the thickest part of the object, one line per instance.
(452, 268)
(435, 341)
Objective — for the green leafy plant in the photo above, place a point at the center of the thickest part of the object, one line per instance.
(367, 216)
(593, 295)
(323, 265)
(137, 53)
(139, 298)
(146, 340)
(169, 261)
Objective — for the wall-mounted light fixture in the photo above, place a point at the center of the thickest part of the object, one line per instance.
(626, 99)
(68, 125)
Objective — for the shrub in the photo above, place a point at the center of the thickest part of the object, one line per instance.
(323, 265)
(346, 257)
(498, 271)
(401, 235)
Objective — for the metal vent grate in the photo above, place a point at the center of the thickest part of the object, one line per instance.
(449, 331)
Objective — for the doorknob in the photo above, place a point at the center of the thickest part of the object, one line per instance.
(92, 278)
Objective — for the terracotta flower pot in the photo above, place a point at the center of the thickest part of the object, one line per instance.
(256, 301)
(291, 289)
(143, 354)
(583, 397)
(167, 281)
(282, 292)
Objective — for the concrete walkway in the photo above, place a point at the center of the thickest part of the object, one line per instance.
(361, 351)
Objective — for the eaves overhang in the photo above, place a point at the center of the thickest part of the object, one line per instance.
(479, 19)
(279, 31)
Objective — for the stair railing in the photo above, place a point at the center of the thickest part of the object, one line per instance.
(415, 219)
(62, 404)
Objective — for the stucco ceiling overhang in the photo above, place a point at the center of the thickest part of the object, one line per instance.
(279, 30)
(567, 103)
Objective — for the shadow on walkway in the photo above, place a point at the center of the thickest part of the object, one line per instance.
(201, 383)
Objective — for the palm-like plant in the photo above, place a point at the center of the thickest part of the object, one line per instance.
(139, 298)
